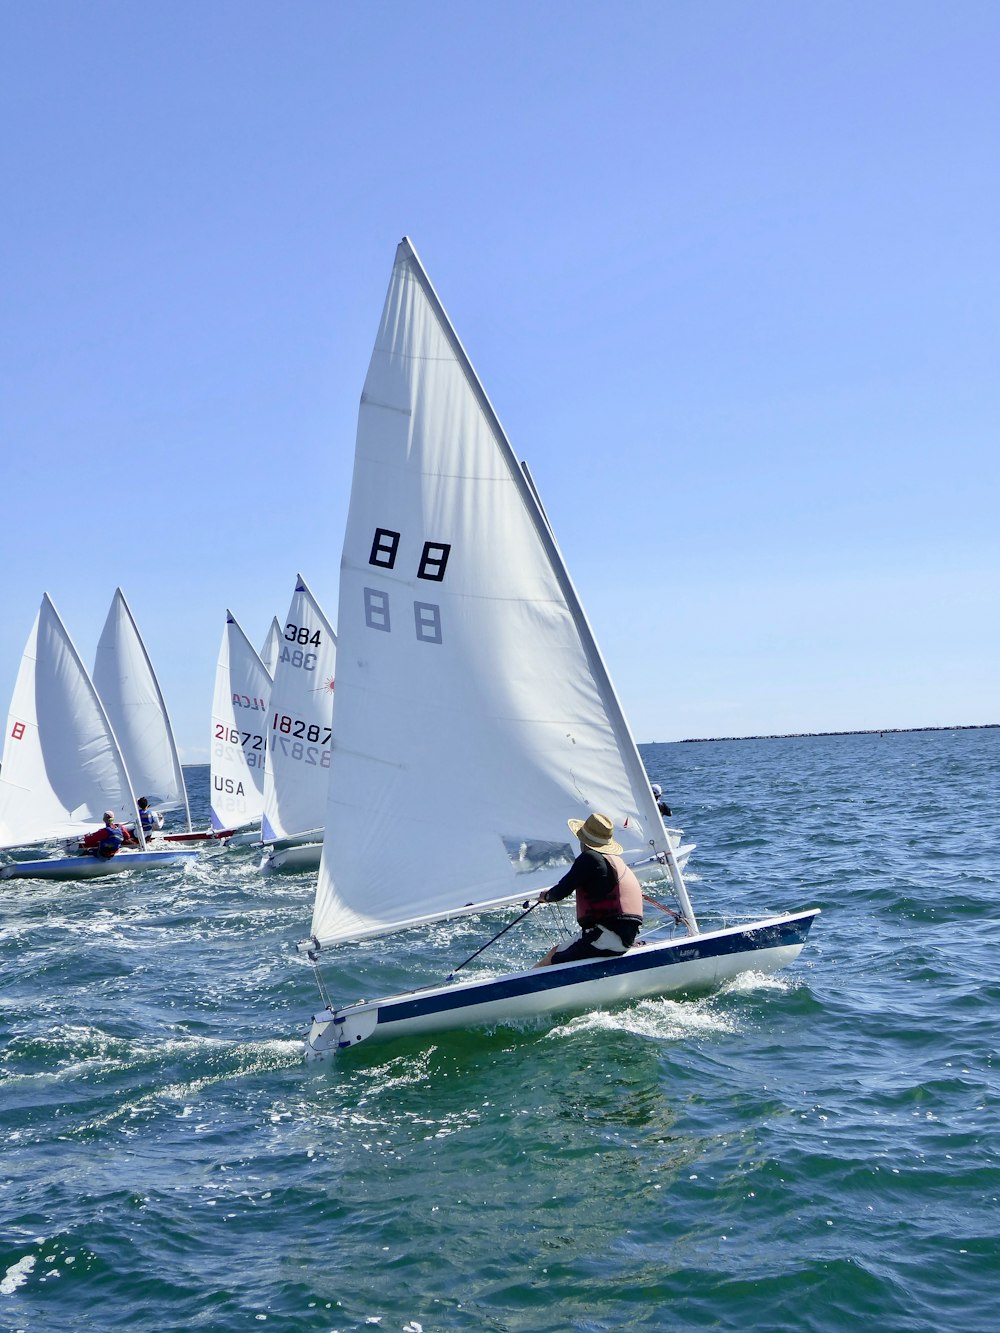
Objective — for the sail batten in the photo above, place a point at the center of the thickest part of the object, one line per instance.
(475, 714)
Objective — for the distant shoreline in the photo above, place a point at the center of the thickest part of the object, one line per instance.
(865, 731)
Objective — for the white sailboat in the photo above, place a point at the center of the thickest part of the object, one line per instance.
(272, 647)
(131, 695)
(239, 732)
(62, 766)
(298, 740)
(474, 713)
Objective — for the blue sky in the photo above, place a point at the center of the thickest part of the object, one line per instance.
(729, 273)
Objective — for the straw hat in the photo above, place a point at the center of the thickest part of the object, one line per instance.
(595, 832)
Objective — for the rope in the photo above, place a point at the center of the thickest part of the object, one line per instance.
(662, 907)
(313, 956)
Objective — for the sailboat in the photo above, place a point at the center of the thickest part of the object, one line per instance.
(239, 732)
(271, 647)
(298, 741)
(131, 695)
(62, 766)
(474, 712)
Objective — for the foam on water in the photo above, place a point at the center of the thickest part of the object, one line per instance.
(17, 1274)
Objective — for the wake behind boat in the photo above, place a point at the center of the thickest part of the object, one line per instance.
(474, 712)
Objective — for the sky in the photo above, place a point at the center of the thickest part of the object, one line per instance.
(728, 272)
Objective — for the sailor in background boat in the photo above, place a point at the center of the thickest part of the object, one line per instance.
(104, 842)
(608, 895)
(151, 820)
(661, 804)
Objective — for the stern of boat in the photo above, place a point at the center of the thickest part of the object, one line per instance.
(335, 1029)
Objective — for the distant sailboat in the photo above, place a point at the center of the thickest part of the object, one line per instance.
(131, 695)
(298, 741)
(239, 732)
(271, 650)
(475, 714)
(62, 766)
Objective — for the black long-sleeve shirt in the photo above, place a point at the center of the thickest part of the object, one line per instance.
(594, 880)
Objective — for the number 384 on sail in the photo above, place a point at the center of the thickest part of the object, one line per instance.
(475, 715)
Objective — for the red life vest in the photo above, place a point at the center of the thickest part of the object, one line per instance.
(106, 841)
(620, 895)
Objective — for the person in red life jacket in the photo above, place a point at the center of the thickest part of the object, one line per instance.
(608, 895)
(105, 841)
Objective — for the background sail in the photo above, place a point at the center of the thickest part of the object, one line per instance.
(272, 647)
(130, 692)
(298, 738)
(61, 765)
(239, 731)
(474, 714)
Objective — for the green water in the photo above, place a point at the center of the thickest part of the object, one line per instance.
(814, 1150)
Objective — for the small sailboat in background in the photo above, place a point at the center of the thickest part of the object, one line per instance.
(62, 765)
(298, 740)
(239, 732)
(272, 647)
(475, 715)
(131, 694)
(126, 682)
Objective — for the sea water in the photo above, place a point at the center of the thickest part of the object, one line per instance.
(813, 1150)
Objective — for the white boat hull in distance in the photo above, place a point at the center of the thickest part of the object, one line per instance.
(682, 852)
(245, 838)
(89, 867)
(299, 856)
(690, 963)
(202, 835)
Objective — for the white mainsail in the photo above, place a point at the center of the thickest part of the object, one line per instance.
(127, 684)
(298, 738)
(272, 647)
(239, 731)
(474, 712)
(62, 767)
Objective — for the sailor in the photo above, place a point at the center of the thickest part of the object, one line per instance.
(104, 842)
(151, 820)
(608, 895)
(661, 804)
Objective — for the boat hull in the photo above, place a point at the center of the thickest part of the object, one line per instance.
(682, 853)
(204, 835)
(91, 867)
(300, 856)
(687, 964)
(244, 838)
